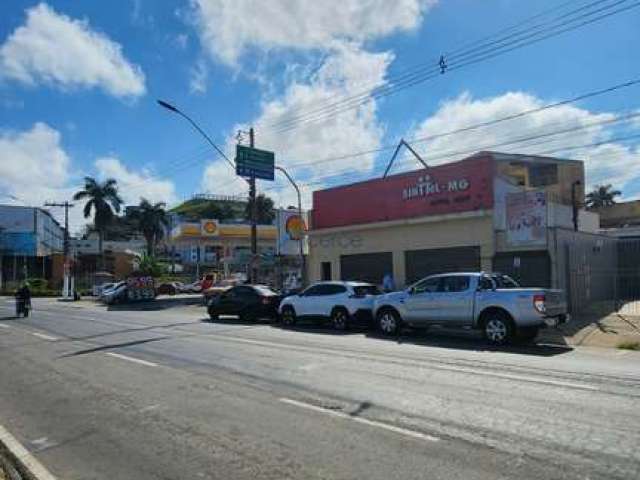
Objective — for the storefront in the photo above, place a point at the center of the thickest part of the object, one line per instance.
(492, 211)
(407, 225)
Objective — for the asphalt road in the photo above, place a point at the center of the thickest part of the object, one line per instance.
(99, 394)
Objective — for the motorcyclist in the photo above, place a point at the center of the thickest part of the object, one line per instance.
(23, 300)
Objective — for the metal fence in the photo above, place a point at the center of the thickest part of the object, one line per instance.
(601, 281)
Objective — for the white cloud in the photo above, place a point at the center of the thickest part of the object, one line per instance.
(199, 77)
(54, 49)
(181, 40)
(227, 28)
(358, 129)
(34, 169)
(133, 185)
(610, 163)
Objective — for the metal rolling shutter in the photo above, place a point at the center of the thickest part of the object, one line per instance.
(422, 263)
(534, 269)
(366, 267)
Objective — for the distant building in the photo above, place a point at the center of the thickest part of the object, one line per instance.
(620, 215)
(29, 237)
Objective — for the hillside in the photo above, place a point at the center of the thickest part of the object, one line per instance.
(199, 208)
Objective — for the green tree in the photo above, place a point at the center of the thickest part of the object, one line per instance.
(149, 265)
(103, 200)
(152, 219)
(602, 196)
(265, 211)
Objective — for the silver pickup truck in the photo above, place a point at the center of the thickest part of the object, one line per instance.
(491, 302)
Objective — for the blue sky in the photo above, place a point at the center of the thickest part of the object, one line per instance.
(79, 81)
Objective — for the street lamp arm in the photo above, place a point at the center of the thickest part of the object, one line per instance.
(175, 109)
(303, 266)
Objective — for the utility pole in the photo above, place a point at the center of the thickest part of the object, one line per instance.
(253, 273)
(574, 204)
(66, 285)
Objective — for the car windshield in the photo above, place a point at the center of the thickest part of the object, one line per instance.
(366, 290)
(505, 281)
(264, 290)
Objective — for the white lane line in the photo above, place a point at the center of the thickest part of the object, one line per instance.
(30, 462)
(131, 359)
(2, 325)
(44, 337)
(524, 378)
(364, 421)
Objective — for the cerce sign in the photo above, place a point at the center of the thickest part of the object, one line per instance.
(455, 187)
(426, 186)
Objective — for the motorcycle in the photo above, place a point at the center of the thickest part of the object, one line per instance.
(22, 308)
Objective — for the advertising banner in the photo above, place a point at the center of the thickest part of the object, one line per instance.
(291, 228)
(526, 220)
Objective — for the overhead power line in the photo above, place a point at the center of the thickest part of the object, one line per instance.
(541, 138)
(463, 61)
(524, 113)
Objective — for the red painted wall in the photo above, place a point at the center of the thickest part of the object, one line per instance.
(378, 200)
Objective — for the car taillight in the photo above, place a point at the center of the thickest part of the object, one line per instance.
(538, 303)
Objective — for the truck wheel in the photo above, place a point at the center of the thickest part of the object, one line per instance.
(288, 316)
(340, 319)
(497, 328)
(388, 321)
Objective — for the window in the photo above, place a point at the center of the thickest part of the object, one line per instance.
(243, 292)
(454, 283)
(485, 283)
(333, 289)
(363, 290)
(427, 285)
(312, 291)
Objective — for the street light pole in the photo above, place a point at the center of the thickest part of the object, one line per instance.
(253, 274)
(303, 265)
(251, 181)
(66, 282)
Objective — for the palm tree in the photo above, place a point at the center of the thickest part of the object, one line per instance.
(152, 220)
(602, 196)
(103, 199)
(265, 212)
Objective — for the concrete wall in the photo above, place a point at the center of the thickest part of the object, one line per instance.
(442, 231)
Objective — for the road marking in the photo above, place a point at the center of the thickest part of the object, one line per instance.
(2, 325)
(364, 421)
(525, 378)
(131, 359)
(30, 462)
(44, 337)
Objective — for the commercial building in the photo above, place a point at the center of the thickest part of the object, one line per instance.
(512, 213)
(211, 244)
(29, 236)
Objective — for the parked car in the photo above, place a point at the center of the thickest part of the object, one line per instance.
(169, 288)
(116, 294)
(343, 303)
(492, 303)
(248, 302)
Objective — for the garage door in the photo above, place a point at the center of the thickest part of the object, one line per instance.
(366, 267)
(529, 269)
(421, 263)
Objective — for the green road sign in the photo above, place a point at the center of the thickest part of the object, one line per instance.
(251, 162)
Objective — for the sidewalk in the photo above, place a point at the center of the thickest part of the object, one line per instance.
(598, 327)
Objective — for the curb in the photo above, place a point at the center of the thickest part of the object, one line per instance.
(23, 461)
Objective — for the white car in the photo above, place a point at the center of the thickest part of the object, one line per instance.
(342, 302)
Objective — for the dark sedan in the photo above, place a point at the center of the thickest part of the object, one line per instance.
(247, 302)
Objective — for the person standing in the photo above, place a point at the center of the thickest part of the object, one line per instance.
(388, 285)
